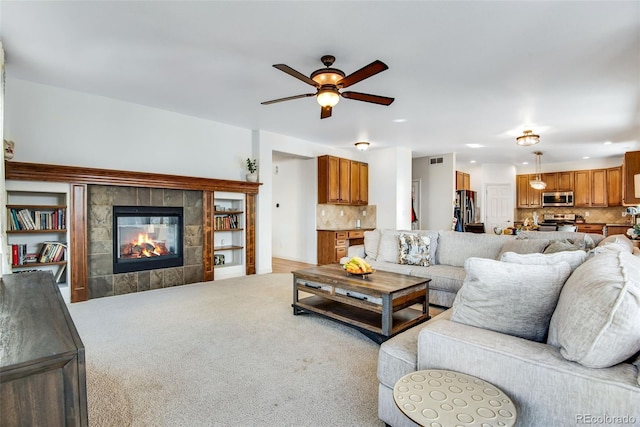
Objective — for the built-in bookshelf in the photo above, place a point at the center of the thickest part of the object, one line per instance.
(228, 235)
(36, 227)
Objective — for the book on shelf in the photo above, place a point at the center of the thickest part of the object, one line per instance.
(25, 219)
(227, 222)
(59, 276)
(52, 252)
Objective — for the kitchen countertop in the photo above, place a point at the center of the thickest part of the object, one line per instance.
(345, 229)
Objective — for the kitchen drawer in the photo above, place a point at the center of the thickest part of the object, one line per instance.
(340, 243)
(356, 234)
(341, 252)
(342, 235)
(590, 228)
(314, 287)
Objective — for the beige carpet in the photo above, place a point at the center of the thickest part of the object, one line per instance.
(224, 353)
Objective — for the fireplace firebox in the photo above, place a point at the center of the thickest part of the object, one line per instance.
(147, 238)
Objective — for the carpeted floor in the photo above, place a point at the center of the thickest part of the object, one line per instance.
(224, 353)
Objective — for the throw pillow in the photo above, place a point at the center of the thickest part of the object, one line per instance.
(371, 243)
(524, 246)
(598, 313)
(509, 298)
(573, 258)
(388, 249)
(619, 239)
(414, 249)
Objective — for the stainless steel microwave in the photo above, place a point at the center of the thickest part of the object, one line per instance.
(557, 198)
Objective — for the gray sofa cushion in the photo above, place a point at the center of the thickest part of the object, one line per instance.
(524, 246)
(433, 245)
(617, 239)
(598, 313)
(371, 244)
(454, 247)
(573, 258)
(443, 277)
(509, 298)
(389, 248)
(559, 235)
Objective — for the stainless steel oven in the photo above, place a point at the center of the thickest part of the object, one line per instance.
(557, 198)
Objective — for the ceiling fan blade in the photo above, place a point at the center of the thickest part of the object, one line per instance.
(296, 74)
(375, 99)
(325, 112)
(288, 98)
(365, 72)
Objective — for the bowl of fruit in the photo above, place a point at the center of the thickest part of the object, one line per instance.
(358, 267)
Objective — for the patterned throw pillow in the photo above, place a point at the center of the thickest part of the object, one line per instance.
(414, 249)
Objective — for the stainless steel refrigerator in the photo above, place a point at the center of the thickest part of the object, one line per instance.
(464, 210)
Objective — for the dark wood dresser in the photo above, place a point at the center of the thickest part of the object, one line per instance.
(42, 362)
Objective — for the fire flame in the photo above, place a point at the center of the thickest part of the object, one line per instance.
(143, 241)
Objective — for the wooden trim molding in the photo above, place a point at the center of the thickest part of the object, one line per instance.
(55, 173)
(80, 177)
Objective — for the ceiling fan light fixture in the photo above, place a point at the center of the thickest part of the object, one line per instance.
(362, 145)
(328, 96)
(527, 139)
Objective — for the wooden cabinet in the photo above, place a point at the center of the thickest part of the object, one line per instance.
(630, 168)
(333, 245)
(359, 183)
(618, 229)
(463, 181)
(590, 228)
(614, 186)
(526, 196)
(558, 181)
(42, 368)
(590, 188)
(342, 181)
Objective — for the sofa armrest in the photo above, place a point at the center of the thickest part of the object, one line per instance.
(546, 388)
(356, 250)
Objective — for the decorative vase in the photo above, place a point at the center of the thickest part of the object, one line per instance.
(252, 177)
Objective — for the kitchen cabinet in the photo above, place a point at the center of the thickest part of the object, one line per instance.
(342, 181)
(333, 245)
(630, 167)
(558, 181)
(526, 196)
(590, 188)
(614, 186)
(463, 181)
(617, 229)
(359, 183)
(590, 228)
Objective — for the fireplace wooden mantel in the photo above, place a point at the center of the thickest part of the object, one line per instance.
(80, 177)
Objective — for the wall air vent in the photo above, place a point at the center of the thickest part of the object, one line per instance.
(435, 160)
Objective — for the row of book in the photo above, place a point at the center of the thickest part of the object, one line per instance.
(26, 219)
(226, 222)
(48, 252)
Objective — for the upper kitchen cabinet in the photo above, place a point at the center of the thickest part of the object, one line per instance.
(526, 196)
(558, 181)
(463, 181)
(614, 186)
(342, 181)
(359, 183)
(630, 168)
(590, 188)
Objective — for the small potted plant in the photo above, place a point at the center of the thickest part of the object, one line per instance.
(252, 167)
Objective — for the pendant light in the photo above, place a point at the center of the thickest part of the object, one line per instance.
(538, 183)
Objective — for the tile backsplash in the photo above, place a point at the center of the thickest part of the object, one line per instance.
(611, 215)
(336, 217)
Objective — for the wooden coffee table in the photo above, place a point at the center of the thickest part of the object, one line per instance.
(378, 304)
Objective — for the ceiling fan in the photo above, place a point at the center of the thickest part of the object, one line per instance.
(328, 82)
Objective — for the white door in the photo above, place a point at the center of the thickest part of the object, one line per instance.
(499, 206)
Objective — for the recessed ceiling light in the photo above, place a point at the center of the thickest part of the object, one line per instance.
(399, 120)
(608, 143)
(472, 161)
(525, 163)
(586, 157)
(475, 145)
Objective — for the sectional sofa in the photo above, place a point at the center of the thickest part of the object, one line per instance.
(558, 332)
(446, 252)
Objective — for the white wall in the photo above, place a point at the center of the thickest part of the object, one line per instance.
(390, 186)
(437, 191)
(59, 126)
(4, 262)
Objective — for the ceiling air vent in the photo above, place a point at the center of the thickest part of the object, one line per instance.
(435, 160)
